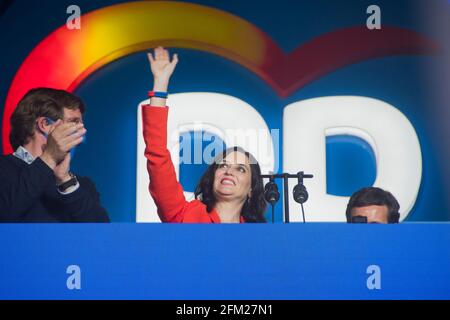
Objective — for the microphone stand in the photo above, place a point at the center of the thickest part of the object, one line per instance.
(286, 176)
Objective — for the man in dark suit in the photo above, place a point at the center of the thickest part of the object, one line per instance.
(36, 184)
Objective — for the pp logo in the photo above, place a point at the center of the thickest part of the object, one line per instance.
(306, 123)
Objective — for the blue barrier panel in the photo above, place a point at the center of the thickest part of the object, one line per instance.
(281, 261)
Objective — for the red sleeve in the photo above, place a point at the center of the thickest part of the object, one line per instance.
(164, 187)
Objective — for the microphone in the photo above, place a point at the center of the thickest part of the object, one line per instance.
(300, 193)
(271, 193)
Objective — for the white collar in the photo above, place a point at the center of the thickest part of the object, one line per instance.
(24, 154)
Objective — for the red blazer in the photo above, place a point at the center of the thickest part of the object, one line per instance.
(164, 187)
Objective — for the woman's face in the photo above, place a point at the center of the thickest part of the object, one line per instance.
(232, 179)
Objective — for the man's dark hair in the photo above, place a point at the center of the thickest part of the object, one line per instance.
(373, 196)
(254, 208)
(39, 102)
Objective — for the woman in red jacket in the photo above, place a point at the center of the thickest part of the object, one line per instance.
(230, 191)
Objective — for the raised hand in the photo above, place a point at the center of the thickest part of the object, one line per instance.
(162, 68)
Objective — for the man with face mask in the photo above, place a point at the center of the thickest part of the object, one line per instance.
(36, 184)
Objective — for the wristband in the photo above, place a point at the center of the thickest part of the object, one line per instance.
(158, 94)
(64, 186)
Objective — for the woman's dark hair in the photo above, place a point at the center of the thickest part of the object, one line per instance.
(39, 102)
(254, 207)
(373, 196)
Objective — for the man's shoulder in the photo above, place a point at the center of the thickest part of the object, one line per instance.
(6, 157)
(9, 160)
(10, 167)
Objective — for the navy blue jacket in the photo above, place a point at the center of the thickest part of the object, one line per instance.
(28, 194)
